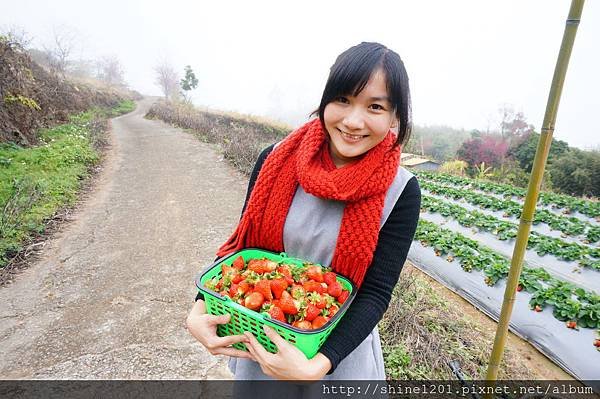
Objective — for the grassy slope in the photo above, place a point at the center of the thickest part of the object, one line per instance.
(36, 182)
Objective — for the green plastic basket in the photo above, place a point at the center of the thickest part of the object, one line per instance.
(244, 319)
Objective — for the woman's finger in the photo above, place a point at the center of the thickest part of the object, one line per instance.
(233, 352)
(230, 340)
(256, 348)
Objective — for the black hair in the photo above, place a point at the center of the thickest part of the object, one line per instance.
(353, 69)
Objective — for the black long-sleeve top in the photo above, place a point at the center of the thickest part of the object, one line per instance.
(374, 295)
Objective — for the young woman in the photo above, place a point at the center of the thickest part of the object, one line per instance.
(332, 192)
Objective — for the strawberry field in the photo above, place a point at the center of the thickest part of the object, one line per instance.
(465, 239)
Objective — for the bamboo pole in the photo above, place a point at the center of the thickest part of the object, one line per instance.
(533, 189)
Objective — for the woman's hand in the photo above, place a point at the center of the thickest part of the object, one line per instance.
(289, 363)
(203, 327)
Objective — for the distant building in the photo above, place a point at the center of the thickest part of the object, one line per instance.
(417, 162)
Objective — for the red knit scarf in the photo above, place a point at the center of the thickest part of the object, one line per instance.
(303, 158)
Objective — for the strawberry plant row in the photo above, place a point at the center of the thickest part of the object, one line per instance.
(572, 304)
(569, 203)
(542, 244)
(567, 225)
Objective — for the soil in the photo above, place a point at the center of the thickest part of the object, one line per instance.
(108, 296)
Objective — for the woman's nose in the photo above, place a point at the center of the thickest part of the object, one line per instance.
(354, 120)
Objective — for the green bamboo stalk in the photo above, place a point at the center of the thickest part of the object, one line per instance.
(533, 189)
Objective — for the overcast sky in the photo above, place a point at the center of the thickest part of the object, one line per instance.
(464, 58)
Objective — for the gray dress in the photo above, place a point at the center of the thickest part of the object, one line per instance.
(319, 221)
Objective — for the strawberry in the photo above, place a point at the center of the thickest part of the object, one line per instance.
(311, 312)
(228, 270)
(314, 272)
(237, 278)
(537, 308)
(333, 309)
(343, 296)
(243, 287)
(287, 274)
(313, 286)
(302, 324)
(329, 277)
(278, 286)
(597, 343)
(238, 263)
(287, 304)
(519, 288)
(277, 314)
(298, 291)
(256, 265)
(335, 289)
(571, 324)
(233, 290)
(264, 287)
(254, 300)
(319, 322)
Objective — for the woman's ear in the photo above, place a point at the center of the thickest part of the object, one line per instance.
(395, 122)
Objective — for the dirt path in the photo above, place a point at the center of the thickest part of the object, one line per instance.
(109, 296)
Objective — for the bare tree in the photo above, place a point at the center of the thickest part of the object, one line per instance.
(16, 34)
(59, 51)
(167, 79)
(109, 71)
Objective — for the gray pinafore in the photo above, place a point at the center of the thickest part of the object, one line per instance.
(310, 233)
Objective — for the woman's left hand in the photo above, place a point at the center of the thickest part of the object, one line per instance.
(289, 363)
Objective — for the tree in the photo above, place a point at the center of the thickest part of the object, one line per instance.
(577, 172)
(167, 79)
(523, 150)
(189, 82)
(490, 149)
(109, 70)
(58, 53)
(16, 34)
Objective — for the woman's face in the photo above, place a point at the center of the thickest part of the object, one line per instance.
(357, 124)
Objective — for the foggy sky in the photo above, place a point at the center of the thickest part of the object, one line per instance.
(464, 58)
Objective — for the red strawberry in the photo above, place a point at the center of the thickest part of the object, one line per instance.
(343, 296)
(243, 287)
(334, 289)
(311, 312)
(233, 290)
(256, 265)
(287, 304)
(254, 300)
(319, 322)
(277, 313)
(597, 343)
(537, 308)
(278, 285)
(264, 287)
(287, 273)
(313, 286)
(227, 270)
(238, 263)
(302, 324)
(571, 324)
(519, 287)
(237, 278)
(315, 273)
(333, 309)
(329, 277)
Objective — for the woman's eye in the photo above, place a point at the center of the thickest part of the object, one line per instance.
(377, 107)
(342, 99)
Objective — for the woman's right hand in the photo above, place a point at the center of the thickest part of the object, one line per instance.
(203, 327)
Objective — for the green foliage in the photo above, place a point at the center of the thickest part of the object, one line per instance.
(189, 82)
(577, 172)
(523, 151)
(36, 182)
(456, 167)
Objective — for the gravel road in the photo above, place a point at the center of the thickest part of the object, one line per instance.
(109, 295)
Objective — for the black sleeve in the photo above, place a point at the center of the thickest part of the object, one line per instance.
(374, 295)
(253, 176)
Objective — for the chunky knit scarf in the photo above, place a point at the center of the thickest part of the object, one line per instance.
(303, 158)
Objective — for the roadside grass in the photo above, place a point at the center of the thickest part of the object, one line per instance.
(420, 331)
(240, 138)
(36, 182)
